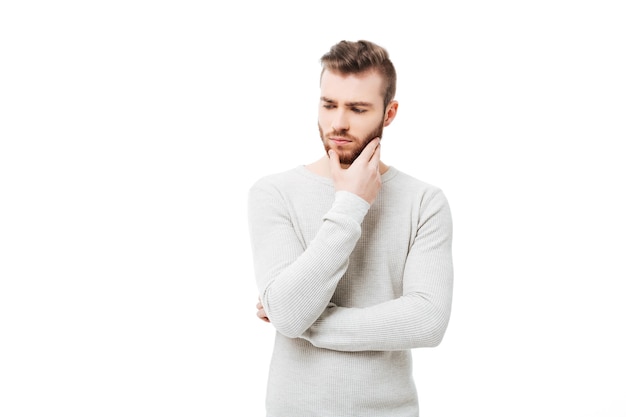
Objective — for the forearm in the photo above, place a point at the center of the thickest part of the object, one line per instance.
(411, 321)
(296, 296)
(420, 315)
(296, 282)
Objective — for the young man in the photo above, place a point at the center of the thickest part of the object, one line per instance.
(352, 257)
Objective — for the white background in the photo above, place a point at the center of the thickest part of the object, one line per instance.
(132, 130)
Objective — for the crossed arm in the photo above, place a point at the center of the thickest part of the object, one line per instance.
(297, 283)
(297, 286)
(418, 318)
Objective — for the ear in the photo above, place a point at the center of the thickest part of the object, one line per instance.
(390, 112)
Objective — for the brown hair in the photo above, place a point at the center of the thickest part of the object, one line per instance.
(348, 57)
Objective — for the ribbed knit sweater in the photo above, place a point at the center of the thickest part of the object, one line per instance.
(350, 289)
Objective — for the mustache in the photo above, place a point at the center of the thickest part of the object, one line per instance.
(341, 134)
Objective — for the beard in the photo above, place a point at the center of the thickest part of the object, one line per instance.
(348, 157)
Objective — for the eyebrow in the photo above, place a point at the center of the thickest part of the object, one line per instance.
(349, 104)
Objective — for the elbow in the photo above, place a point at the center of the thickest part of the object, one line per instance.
(287, 325)
(290, 330)
(434, 337)
(432, 334)
(286, 320)
(437, 338)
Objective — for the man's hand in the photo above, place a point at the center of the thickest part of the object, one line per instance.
(260, 313)
(362, 177)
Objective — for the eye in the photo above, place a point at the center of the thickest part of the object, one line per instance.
(328, 106)
(358, 110)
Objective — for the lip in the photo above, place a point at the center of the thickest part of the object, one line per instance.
(340, 141)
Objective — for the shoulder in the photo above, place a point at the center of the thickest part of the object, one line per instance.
(297, 178)
(403, 183)
(275, 180)
(295, 183)
(429, 204)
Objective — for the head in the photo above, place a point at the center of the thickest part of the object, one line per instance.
(358, 85)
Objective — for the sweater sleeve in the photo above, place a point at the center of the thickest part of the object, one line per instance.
(420, 316)
(296, 282)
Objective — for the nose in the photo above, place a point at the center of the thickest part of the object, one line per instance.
(340, 121)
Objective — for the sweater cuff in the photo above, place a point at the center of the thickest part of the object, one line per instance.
(351, 205)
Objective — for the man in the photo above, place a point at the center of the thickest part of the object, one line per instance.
(352, 257)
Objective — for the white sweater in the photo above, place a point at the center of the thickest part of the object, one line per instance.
(350, 289)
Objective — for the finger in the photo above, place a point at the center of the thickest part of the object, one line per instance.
(261, 314)
(369, 151)
(375, 160)
(334, 161)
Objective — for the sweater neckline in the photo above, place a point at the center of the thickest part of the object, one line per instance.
(303, 170)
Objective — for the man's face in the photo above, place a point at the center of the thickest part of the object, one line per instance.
(351, 112)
